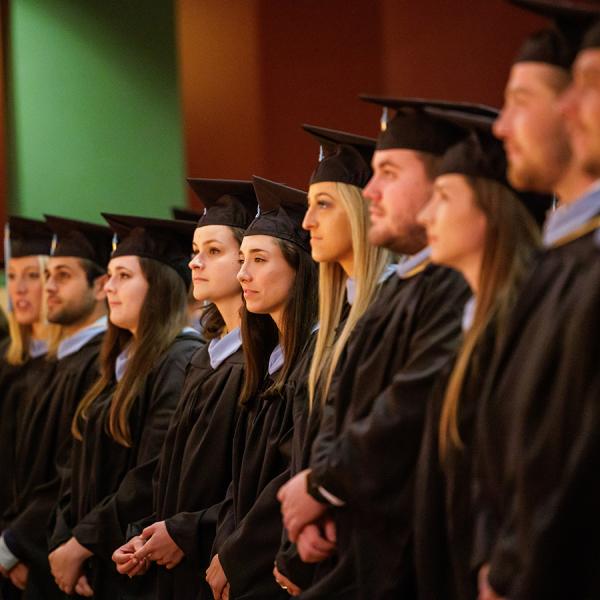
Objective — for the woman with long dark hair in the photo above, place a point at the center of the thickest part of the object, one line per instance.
(121, 423)
(481, 227)
(194, 468)
(279, 281)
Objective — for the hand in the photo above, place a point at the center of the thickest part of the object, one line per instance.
(66, 564)
(18, 575)
(486, 591)
(125, 560)
(216, 578)
(225, 593)
(83, 588)
(312, 546)
(298, 507)
(291, 588)
(159, 546)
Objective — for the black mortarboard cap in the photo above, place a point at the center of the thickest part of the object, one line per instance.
(185, 214)
(230, 202)
(556, 46)
(344, 157)
(27, 237)
(164, 240)
(480, 154)
(281, 212)
(80, 239)
(412, 128)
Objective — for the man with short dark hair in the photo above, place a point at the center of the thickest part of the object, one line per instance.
(77, 301)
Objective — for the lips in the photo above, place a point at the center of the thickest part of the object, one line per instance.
(249, 292)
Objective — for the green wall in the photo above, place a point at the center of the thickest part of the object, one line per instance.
(95, 119)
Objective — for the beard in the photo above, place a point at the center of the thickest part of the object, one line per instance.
(69, 315)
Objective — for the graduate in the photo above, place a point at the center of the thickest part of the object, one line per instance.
(194, 468)
(350, 273)
(363, 461)
(279, 281)
(32, 341)
(477, 225)
(76, 301)
(517, 395)
(556, 421)
(120, 424)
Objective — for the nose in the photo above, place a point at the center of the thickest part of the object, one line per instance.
(371, 190)
(500, 125)
(309, 221)
(243, 274)
(425, 215)
(108, 286)
(21, 287)
(50, 286)
(196, 262)
(567, 103)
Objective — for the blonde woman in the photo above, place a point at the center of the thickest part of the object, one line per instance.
(31, 340)
(350, 271)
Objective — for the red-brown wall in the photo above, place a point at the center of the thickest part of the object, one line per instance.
(253, 70)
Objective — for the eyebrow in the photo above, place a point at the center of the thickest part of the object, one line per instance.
(254, 251)
(67, 267)
(211, 242)
(386, 163)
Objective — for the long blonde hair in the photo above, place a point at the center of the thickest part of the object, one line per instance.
(369, 263)
(511, 240)
(17, 352)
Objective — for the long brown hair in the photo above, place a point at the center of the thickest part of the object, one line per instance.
(511, 240)
(162, 317)
(260, 334)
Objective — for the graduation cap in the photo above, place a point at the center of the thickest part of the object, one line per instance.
(344, 157)
(281, 212)
(26, 237)
(480, 154)
(412, 128)
(556, 46)
(164, 240)
(185, 214)
(230, 202)
(80, 239)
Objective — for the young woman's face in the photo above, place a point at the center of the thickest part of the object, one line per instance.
(215, 263)
(328, 223)
(265, 275)
(25, 289)
(455, 225)
(126, 290)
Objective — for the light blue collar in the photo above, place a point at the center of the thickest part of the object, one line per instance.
(387, 272)
(469, 313)
(569, 217)
(121, 363)
(75, 342)
(38, 348)
(276, 360)
(222, 348)
(410, 262)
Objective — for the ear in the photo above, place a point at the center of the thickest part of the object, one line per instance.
(99, 283)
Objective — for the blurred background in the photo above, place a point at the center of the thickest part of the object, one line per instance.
(109, 104)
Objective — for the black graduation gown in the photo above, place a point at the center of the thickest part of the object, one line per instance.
(250, 527)
(541, 397)
(366, 451)
(15, 383)
(42, 452)
(96, 507)
(194, 470)
(443, 493)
